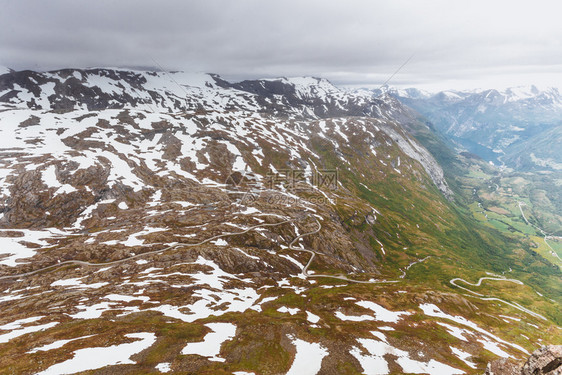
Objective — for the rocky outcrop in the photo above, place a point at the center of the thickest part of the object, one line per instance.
(503, 367)
(544, 361)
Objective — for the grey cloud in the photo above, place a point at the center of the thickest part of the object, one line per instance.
(352, 42)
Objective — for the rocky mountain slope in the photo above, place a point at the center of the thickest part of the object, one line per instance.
(192, 225)
(520, 125)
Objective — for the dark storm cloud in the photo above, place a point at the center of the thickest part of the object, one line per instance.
(351, 42)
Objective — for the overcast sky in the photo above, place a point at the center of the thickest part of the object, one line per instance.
(452, 44)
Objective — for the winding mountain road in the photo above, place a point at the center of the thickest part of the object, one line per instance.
(546, 235)
(405, 270)
(172, 247)
(292, 247)
(313, 254)
(119, 261)
(486, 298)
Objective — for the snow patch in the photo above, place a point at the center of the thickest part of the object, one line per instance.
(211, 344)
(98, 357)
(308, 358)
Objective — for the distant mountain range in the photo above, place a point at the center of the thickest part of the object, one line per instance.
(519, 126)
